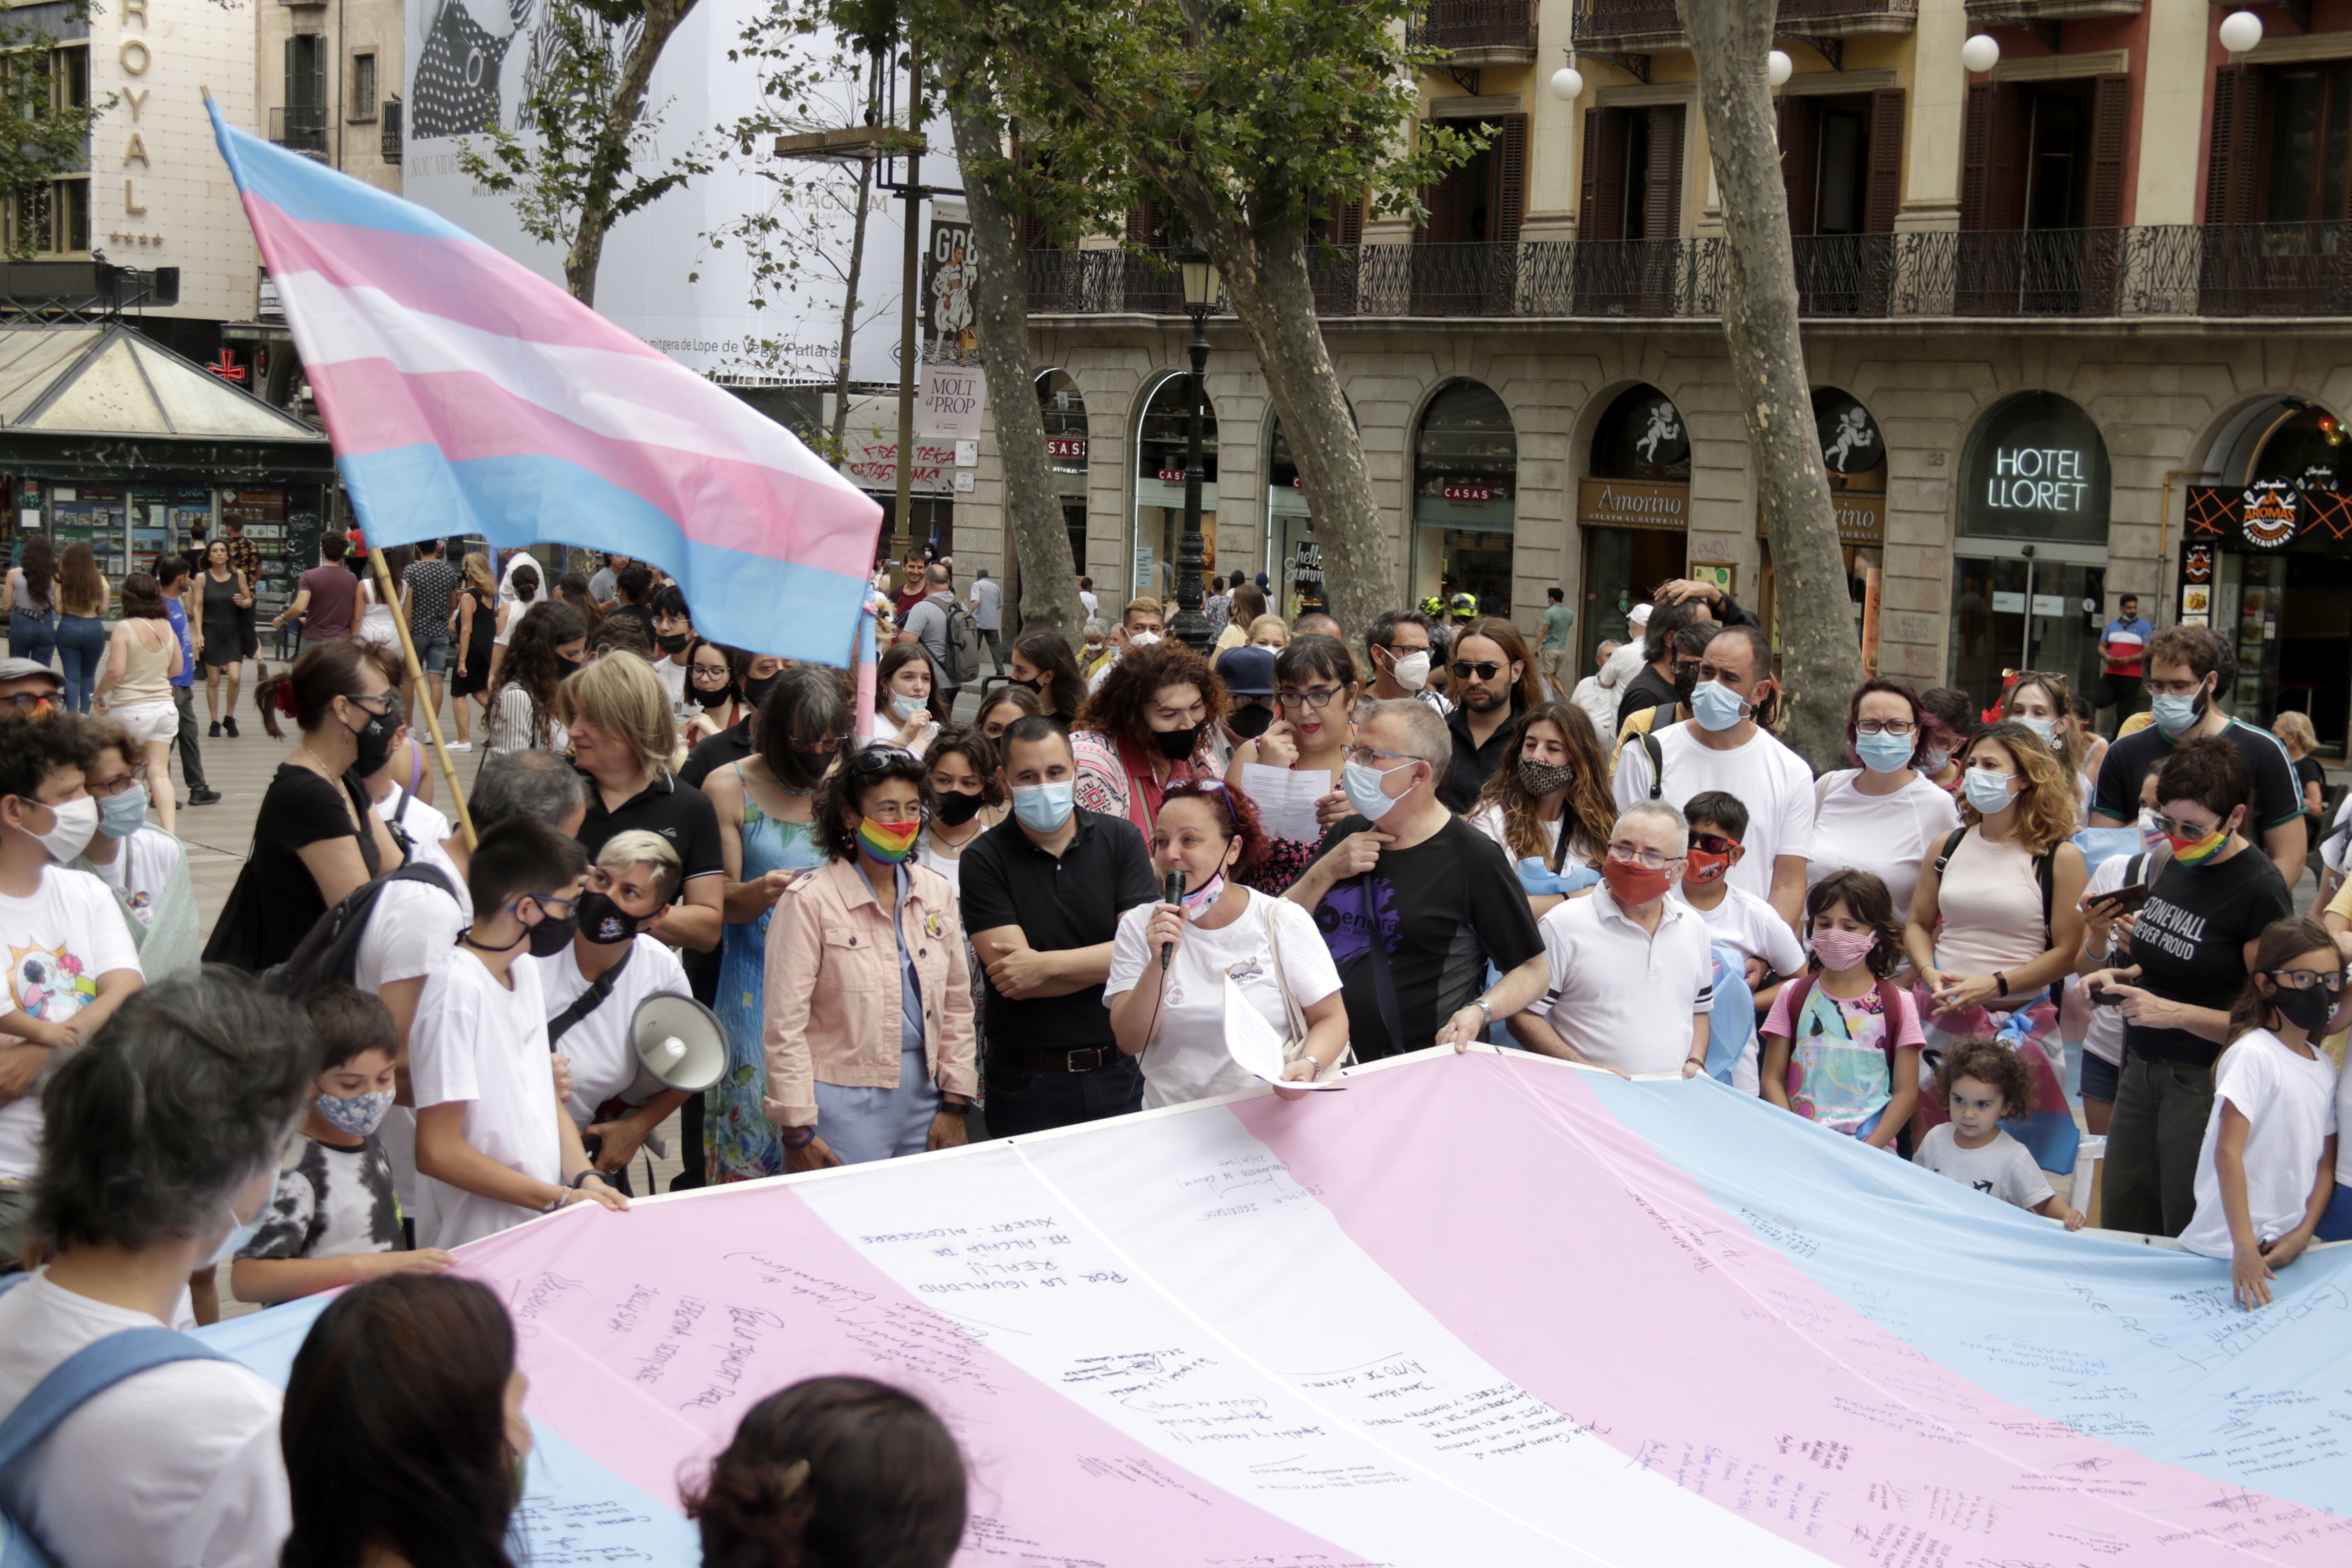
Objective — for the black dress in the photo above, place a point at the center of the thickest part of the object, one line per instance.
(276, 900)
(478, 649)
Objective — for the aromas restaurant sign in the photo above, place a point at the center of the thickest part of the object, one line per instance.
(1633, 503)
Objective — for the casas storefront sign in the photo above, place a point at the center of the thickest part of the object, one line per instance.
(2269, 513)
(1633, 503)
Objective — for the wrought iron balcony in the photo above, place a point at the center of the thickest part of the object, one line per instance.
(2174, 270)
(1642, 26)
(1477, 33)
(299, 129)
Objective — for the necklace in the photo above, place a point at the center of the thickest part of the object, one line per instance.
(320, 763)
(953, 848)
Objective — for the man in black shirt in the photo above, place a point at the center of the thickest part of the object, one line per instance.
(1654, 684)
(1043, 891)
(2190, 945)
(1493, 683)
(1445, 900)
(2184, 666)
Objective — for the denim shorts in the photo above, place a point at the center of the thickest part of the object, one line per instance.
(434, 651)
(2098, 1079)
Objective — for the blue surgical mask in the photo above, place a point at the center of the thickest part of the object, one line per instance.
(2173, 714)
(907, 708)
(1986, 790)
(2045, 728)
(1884, 753)
(1716, 706)
(1043, 808)
(355, 1116)
(1365, 789)
(240, 1237)
(121, 816)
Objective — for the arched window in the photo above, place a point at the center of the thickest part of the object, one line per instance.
(1465, 487)
(1853, 454)
(1159, 448)
(1634, 512)
(1064, 410)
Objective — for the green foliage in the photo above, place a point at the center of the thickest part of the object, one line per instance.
(41, 137)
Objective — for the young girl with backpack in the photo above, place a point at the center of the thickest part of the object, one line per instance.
(1841, 1044)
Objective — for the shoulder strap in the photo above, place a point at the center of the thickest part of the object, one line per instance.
(2045, 872)
(1951, 843)
(588, 1001)
(1890, 1009)
(1802, 989)
(1657, 763)
(88, 1373)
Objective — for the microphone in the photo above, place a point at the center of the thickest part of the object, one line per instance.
(1174, 893)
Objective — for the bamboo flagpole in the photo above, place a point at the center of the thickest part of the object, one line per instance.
(389, 594)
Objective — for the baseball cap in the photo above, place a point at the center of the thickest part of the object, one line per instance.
(1639, 614)
(25, 668)
(1247, 672)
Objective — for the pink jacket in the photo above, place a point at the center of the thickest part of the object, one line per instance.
(832, 991)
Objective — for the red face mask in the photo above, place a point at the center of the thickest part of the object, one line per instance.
(1703, 868)
(1629, 884)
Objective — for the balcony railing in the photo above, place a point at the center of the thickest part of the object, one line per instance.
(1612, 24)
(2168, 269)
(299, 129)
(1477, 32)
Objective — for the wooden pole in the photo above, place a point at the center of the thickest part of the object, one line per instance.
(388, 593)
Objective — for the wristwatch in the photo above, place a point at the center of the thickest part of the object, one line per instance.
(1486, 1008)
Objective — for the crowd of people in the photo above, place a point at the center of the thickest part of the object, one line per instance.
(1014, 888)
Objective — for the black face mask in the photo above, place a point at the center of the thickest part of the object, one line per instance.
(955, 808)
(375, 741)
(1250, 723)
(672, 644)
(1177, 744)
(567, 668)
(707, 699)
(1686, 682)
(2307, 1010)
(552, 935)
(755, 692)
(604, 922)
(1027, 685)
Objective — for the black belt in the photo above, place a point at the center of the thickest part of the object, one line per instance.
(1086, 1058)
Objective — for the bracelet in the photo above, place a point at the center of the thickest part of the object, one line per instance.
(591, 1171)
(2001, 980)
(798, 1137)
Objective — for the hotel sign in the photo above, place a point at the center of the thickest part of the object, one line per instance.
(1633, 503)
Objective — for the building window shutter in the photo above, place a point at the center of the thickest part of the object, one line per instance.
(1799, 158)
(1349, 228)
(1508, 201)
(1604, 206)
(1976, 154)
(2231, 165)
(2110, 135)
(1884, 198)
(1661, 209)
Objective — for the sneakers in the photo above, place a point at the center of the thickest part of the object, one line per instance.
(461, 745)
(203, 797)
(229, 725)
(213, 734)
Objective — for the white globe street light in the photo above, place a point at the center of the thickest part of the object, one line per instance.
(1778, 68)
(1568, 84)
(1980, 53)
(2240, 31)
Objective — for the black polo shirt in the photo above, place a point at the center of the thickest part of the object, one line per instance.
(712, 752)
(1059, 903)
(1474, 764)
(677, 811)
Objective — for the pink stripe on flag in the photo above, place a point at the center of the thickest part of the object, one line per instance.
(1747, 1384)
(459, 281)
(370, 405)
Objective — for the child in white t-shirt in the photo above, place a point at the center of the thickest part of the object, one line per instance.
(1736, 918)
(494, 1147)
(2267, 1167)
(1983, 1081)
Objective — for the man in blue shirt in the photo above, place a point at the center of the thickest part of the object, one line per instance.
(2123, 655)
(172, 572)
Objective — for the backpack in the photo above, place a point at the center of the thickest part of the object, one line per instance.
(1649, 740)
(961, 637)
(72, 1382)
(1890, 1007)
(329, 950)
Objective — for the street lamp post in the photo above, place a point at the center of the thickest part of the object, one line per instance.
(1201, 288)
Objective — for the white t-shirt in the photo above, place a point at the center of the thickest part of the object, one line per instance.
(602, 1063)
(412, 929)
(986, 598)
(1489, 820)
(2291, 1104)
(1889, 835)
(59, 942)
(672, 676)
(176, 1467)
(1744, 921)
(426, 827)
(476, 1042)
(1623, 996)
(1093, 604)
(1187, 1058)
(141, 868)
(2102, 1036)
(2003, 1167)
(1766, 777)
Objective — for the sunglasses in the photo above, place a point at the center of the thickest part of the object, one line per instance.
(880, 760)
(1463, 670)
(1713, 844)
(2172, 827)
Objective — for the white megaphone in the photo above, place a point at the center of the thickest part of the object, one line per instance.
(679, 1043)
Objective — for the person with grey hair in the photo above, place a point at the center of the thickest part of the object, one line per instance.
(1622, 962)
(1412, 902)
(162, 1149)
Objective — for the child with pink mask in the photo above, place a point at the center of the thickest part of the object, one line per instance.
(1841, 1044)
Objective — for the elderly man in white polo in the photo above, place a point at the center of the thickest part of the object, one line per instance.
(1632, 978)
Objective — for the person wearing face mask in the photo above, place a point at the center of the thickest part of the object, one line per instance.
(967, 800)
(1146, 726)
(1749, 932)
(871, 1052)
(67, 923)
(1628, 978)
(162, 1148)
(550, 643)
(593, 988)
(333, 1217)
(621, 735)
(1141, 625)
(2192, 946)
(1686, 650)
(1171, 1014)
(1727, 744)
(714, 687)
(2185, 684)
(1949, 715)
(316, 837)
(1043, 892)
(1549, 805)
(753, 676)
(1413, 903)
(1662, 681)
(494, 1146)
(1397, 647)
(144, 867)
(1247, 676)
(908, 707)
(1043, 665)
(2043, 704)
(1883, 814)
(766, 806)
(673, 642)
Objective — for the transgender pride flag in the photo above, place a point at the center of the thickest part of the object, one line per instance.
(466, 395)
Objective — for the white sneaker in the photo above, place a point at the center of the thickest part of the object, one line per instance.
(461, 745)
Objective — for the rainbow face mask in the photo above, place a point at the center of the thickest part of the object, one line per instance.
(888, 842)
(2197, 851)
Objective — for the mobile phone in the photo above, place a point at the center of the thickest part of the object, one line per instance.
(2123, 900)
(2107, 996)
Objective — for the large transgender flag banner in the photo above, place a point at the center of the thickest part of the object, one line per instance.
(467, 394)
(1475, 1311)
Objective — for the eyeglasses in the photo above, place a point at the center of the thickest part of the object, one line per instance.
(1317, 700)
(1364, 755)
(2172, 827)
(1886, 727)
(1648, 859)
(109, 790)
(2176, 688)
(558, 909)
(1713, 844)
(2304, 979)
(20, 701)
(1463, 670)
(709, 675)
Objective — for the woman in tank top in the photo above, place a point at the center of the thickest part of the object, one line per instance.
(142, 654)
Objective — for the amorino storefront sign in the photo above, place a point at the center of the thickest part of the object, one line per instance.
(1633, 503)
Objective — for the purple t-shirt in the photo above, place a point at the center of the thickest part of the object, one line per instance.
(333, 592)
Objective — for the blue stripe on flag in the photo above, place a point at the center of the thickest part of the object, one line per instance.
(746, 601)
(309, 192)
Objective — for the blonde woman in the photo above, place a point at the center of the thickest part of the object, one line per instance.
(2041, 702)
(2301, 741)
(141, 656)
(616, 718)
